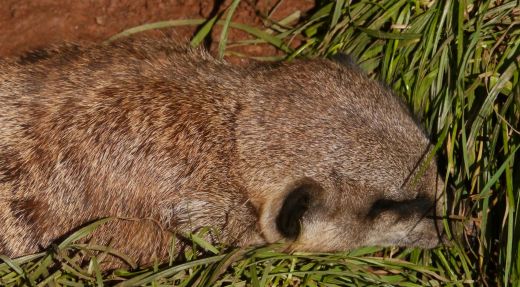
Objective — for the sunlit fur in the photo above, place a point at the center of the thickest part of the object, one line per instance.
(171, 140)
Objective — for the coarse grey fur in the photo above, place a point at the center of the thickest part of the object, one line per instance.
(168, 139)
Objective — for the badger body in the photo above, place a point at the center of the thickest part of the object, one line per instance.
(169, 140)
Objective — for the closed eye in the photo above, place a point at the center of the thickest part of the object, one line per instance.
(403, 208)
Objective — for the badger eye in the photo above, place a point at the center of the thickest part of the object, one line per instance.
(380, 206)
(403, 208)
(294, 207)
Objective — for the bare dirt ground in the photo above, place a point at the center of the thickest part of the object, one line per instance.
(27, 25)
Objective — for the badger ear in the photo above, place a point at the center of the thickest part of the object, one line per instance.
(295, 205)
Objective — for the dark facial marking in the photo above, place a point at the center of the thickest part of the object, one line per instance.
(403, 209)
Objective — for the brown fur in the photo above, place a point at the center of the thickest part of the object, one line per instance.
(310, 152)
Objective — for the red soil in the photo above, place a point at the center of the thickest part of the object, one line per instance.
(27, 25)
